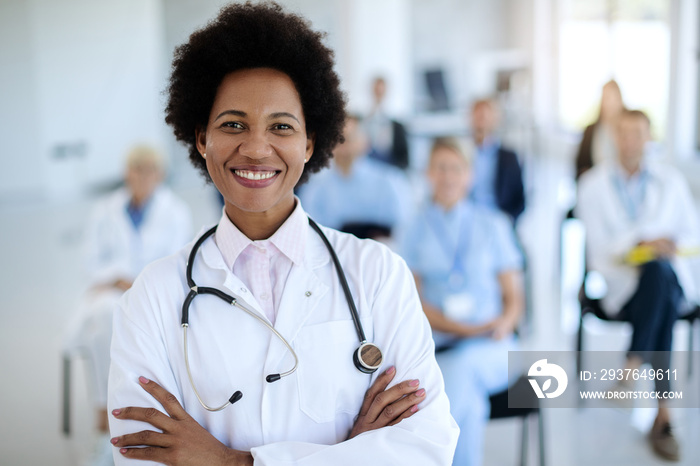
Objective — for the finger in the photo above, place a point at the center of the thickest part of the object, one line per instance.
(377, 387)
(168, 400)
(405, 415)
(385, 398)
(399, 407)
(155, 454)
(145, 437)
(148, 415)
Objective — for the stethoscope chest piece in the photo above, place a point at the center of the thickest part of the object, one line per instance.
(368, 358)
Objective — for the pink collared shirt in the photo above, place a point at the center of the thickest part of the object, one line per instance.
(264, 265)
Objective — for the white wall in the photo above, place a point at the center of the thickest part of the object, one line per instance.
(87, 80)
(19, 155)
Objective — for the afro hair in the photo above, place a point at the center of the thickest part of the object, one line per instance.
(245, 36)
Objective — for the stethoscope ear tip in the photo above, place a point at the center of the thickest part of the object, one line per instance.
(273, 378)
(235, 397)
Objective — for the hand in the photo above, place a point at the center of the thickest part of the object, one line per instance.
(122, 284)
(469, 331)
(502, 327)
(119, 284)
(382, 407)
(663, 247)
(182, 441)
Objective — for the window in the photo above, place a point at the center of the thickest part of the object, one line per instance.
(625, 40)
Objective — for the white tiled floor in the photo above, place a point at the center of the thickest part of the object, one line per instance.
(40, 277)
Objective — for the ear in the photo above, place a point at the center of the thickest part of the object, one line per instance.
(200, 136)
(310, 144)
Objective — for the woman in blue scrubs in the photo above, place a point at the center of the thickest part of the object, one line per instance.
(468, 269)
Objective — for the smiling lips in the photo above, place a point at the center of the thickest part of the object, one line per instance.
(254, 175)
(258, 178)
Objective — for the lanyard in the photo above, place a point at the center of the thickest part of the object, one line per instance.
(455, 253)
(631, 201)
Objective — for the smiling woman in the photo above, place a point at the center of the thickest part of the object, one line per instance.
(254, 97)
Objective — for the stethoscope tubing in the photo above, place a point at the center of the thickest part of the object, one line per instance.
(343, 282)
(195, 290)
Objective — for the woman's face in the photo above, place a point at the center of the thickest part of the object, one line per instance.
(255, 141)
(450, 176)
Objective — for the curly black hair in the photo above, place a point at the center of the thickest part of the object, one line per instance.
(246, 36)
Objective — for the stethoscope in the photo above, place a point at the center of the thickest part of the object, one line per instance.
(367, 358)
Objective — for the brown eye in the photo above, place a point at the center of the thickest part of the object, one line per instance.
(232, 125)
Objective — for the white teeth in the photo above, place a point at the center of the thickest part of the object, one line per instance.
(250, 175)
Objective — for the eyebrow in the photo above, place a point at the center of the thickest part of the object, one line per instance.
(244, 114)
(285, 114)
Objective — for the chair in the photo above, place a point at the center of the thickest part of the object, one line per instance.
(69, 354)
(365, 230)
(588, 305)
(500, 410)
(593, 307)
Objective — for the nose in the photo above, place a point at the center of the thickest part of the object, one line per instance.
(255, 145)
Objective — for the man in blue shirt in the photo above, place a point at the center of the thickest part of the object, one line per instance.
(358, 194)
(498, 181)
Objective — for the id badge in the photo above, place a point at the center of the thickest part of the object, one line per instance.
(459, 307)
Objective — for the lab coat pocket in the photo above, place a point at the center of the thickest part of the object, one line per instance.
(329, 383)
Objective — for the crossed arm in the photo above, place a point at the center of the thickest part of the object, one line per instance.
(184, 442)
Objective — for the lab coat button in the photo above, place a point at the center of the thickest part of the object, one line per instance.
(243, 290)
(308, 293)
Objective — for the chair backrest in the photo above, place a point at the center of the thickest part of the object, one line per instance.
(523, 391)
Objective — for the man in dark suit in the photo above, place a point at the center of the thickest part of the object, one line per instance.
(388, 137)
(498, 181)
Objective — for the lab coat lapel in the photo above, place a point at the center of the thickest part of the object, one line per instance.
(301, 296)
(611, 200)
(652, 199)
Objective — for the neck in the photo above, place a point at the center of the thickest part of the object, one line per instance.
(631, 166)
(446, 204)
(261, 225)
(138, 202)
(480, 138)
(344, 164)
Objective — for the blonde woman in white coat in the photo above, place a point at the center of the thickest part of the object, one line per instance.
(129, 228)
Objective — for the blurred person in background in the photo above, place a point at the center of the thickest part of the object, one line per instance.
(468, 271)
(497, 179)
(129, 228)
(598, 141)
(638, 217)
(388, 141)
(358, 194)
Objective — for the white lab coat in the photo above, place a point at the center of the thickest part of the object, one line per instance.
(115, 249)
(667, 211)
(302, 419)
